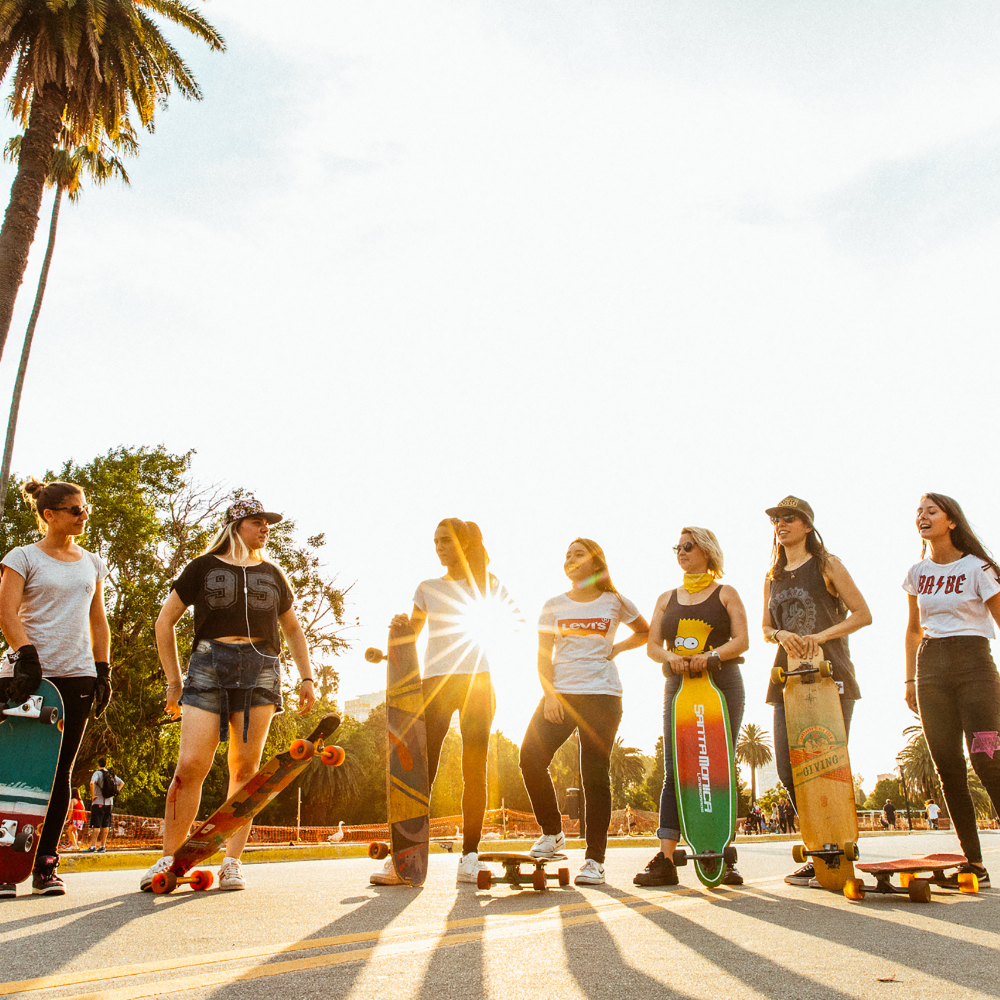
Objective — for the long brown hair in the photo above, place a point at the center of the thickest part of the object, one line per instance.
(475, 558)
(602, 578)
(962, 536)
(814, 546)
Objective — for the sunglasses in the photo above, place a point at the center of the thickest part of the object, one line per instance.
(787, 518)
(686, 547)
(76, 510)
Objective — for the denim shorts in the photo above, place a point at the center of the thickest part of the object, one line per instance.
(228, 677)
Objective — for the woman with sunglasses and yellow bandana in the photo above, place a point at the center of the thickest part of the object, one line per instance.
(810, 601)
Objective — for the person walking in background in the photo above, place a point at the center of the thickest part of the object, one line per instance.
(463, 610)
(933, 811)
(951, 680)
(582, 691)
(104, 786)
(810, 601)
(53, 618)
(889, 815)
(700, 625)
(77, 817)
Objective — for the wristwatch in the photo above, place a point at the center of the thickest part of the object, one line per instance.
(718, 660)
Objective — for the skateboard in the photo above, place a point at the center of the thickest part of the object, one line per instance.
(408, 787)
(240, 809)
(513, 875)
(821, 770)
(918, 889)
(705, 777)
(30, 740)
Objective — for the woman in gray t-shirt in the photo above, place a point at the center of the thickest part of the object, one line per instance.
(52, 616)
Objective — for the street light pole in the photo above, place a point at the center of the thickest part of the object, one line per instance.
(906, 797)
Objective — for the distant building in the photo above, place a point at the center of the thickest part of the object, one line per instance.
(886, 777)
(361, 707)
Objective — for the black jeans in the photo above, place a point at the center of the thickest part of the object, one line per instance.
(597, 717)
(471, 695)
(77, 695)
(782, 759)
(958, 693)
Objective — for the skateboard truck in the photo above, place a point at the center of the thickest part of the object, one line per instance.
(806, 671)
(830, 854)
(20, 842)
(682, 857)
(32, 709)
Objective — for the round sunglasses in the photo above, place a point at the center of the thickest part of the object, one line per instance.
(685, 547)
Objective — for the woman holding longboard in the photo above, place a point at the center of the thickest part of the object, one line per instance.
(701, 625)
(951, 680)
(582, 690)
(810, 601)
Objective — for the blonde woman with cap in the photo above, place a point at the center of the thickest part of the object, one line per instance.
(233, 685)
(810, 601)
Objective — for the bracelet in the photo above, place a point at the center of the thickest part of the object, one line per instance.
(911, 680)
(774, 635)
(303, 680)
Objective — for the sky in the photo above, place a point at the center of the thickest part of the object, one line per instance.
(602, 269)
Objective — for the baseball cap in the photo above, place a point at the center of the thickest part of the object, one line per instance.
(250, 507)
(792, 505)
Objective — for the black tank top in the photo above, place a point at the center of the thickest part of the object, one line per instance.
(799, 602)
(690, 629)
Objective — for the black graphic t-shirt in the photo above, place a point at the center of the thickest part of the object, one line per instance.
(215, 588)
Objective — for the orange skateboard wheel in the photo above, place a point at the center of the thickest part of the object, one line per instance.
(968, 882)
(301, 750)
(377, 851)
(202, 880)
(564, 876)
(484, 880)
(333, 755)
(538, 878)
(799, 853)
(854, 888)
(164, 882)
(920, 890)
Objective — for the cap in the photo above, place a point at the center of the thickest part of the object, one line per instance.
(250, 507)
(792, 505)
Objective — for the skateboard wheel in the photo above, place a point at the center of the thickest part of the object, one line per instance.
(729, 855)
(373, 655)
(905, 878)
(968, 882)
(333, 755)
(202, 880)
(484, 880)
(680, 858)
(854, 888)
(301, 750)
(826, 669)
(377, 851)
(564, 877)
(799, 853)
(778, 675)
(49, 716)
(538, 878)
(851, 851)
(164, 882)
(25, 840)
(920, 890)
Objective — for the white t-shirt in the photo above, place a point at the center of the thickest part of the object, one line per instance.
(933, 811)
(55, 609)
(951, 595)
(95, 785)
(460, 624)
(585, 633)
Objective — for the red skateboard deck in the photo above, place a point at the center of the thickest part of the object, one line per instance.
(916, 876)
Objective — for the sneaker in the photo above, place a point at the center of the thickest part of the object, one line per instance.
(231, 874)
(90, 850)
(146, 882)
(387, 876)
(8, 889)
(660, 871)
(99, 850)
(469, 867)
(44, 880)
(548, 845)
(732, 876)
(803, 876)
(979, 870)
(591, 873)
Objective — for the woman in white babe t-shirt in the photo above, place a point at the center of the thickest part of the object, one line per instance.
(951, 679)
(582, 690)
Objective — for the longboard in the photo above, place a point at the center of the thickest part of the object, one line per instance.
(240, 809)
(30, 740)
(407, 786)
(821, 770)
(513, 875)
(916, 876)
(705, 777)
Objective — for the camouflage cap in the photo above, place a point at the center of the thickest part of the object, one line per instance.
(792, 505)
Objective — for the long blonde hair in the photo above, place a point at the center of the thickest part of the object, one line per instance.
(227, 542)
(709, 544)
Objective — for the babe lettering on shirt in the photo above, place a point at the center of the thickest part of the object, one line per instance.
(584, 626)
(933, 584)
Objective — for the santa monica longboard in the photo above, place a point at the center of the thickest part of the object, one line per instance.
(240, 809)
(407, 786)
(30, 740)
(513, 875)
(932, 870)
(821, 770)
(705, 776)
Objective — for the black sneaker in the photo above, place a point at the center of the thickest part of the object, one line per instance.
(803, 876)
(732, 876)
(660, 871)
(979, 870)
(44, 880)
(8, 890)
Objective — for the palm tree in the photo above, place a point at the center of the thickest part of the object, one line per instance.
(754, 750)
(85, 67)
(916, 764)
(627, 768)
(66, 171)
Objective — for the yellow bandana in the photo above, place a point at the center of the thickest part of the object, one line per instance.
(693, 582)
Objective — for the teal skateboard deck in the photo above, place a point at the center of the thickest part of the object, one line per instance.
(30, 740)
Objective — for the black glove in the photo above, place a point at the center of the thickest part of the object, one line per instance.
(27, 674)
(102, 689)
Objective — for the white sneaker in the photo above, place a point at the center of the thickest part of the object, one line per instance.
(387, 876)
(231, 874)
(548, 845)
(469, 868)
(590, 874)
(146, 882)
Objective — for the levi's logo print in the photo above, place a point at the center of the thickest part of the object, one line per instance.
(691, 637)
(222, 586)
(934, 584)
(584, 626)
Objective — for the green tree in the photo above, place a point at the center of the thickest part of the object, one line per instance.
(918, 767)
(654, 779)
(505, 785)
(446, 792)
(754, 750)
(85, 67)
(887, 788)
(628, 769)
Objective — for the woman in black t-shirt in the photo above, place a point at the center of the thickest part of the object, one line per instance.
(234, 677)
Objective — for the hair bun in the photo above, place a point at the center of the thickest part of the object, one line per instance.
(33, 486)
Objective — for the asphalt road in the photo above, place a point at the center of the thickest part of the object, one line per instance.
(318, 929)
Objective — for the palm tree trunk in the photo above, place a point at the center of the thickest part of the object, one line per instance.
(15, 401)
(21, 219)
(753, 776)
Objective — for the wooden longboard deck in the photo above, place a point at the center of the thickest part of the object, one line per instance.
(499, 858)
(704, 772)
(29, 752)
(821, 770)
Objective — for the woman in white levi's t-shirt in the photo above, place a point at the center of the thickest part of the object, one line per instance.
(951, 680)
(582, 690)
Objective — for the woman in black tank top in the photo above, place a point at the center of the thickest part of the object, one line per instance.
(810, 601)
(701, 625)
